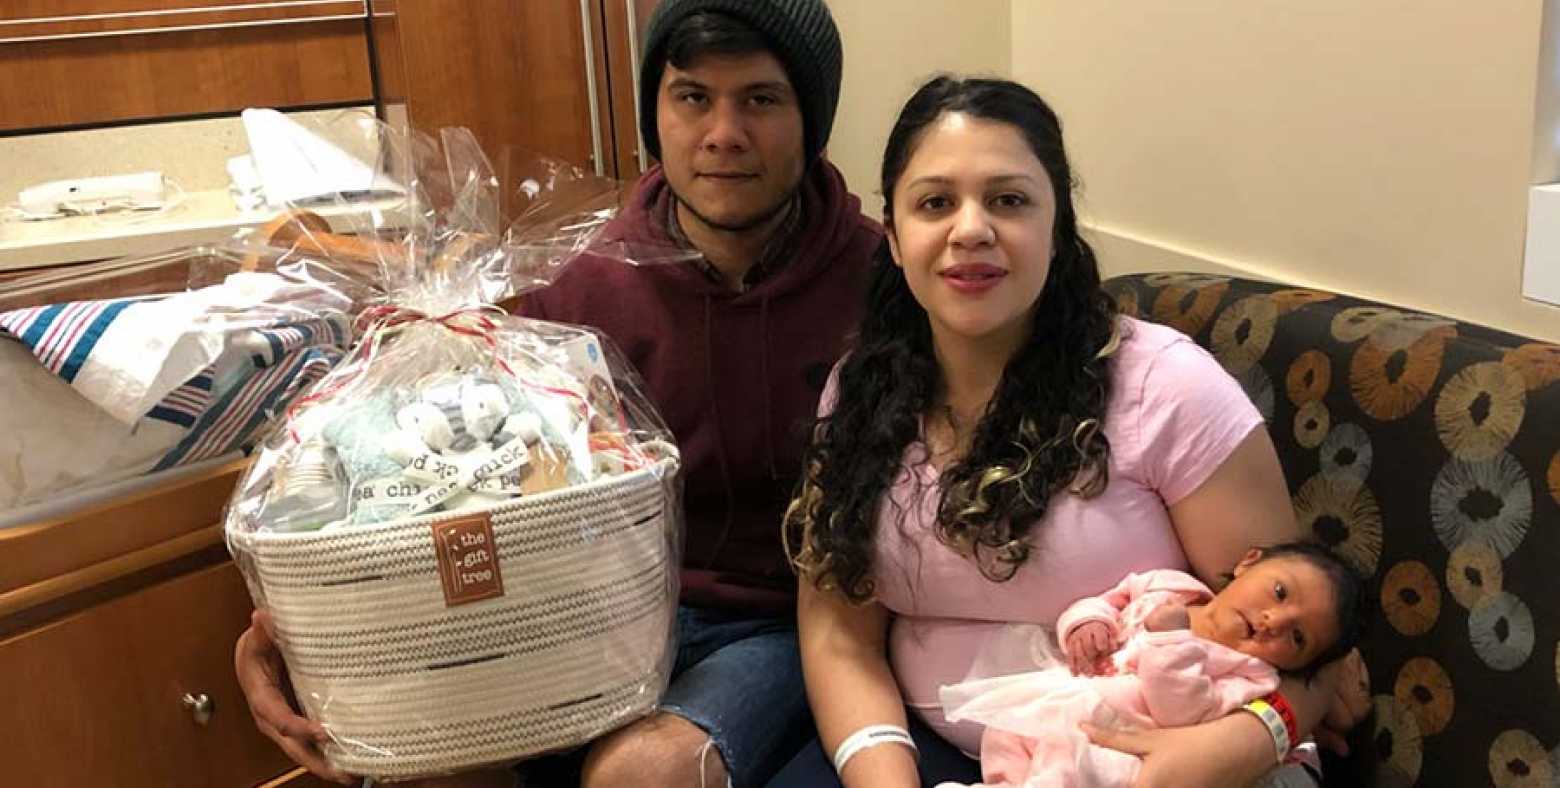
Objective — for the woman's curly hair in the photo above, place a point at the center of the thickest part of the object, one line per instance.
(1039, 436)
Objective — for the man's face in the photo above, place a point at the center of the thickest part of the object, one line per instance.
(731, 138)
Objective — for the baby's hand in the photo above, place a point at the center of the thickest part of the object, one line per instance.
(1167, 617)
(1086, 645)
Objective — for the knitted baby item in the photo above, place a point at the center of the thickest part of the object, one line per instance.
(451, 443)
(356, 434)
(461, 441)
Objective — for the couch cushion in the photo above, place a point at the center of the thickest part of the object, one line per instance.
(1426, 451)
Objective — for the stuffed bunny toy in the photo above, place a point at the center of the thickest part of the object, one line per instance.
(456, 433)
(461, 441)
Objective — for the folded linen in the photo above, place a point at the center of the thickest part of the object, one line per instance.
(99, 391)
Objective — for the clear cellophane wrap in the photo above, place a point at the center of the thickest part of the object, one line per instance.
(466, 535)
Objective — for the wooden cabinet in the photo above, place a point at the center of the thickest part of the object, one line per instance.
(541, 76)
(117, 627)
(81, 62)
(624, 25)
(118, 694)
(550, 76)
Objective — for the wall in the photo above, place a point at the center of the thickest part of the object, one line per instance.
(193, 153)
(891, 47)
(1381, 149)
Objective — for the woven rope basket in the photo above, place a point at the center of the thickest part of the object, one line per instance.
(409, 686)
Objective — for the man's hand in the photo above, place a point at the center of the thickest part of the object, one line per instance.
(262, 677)
(1086, 645)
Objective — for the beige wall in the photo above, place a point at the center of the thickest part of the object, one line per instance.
(1379, 148)
(891, 47)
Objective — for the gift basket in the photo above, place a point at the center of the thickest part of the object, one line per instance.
(467, 533)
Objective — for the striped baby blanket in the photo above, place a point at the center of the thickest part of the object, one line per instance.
(209, 368)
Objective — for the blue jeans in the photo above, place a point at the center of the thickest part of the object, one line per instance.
(739, 679)
(938, 761)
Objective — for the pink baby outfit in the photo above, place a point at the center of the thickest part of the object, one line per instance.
(1160, 679)
(1173, 417)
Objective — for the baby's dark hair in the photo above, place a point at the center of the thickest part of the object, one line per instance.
(1351, 599)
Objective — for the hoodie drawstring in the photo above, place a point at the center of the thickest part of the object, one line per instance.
(720, 436)
(763, 371)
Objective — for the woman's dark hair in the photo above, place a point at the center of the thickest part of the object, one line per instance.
(710, 33)
(1040, 434)
(1351, 600)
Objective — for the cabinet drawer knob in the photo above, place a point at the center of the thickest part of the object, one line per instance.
(200, 707)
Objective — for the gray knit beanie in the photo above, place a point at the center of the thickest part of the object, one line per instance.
(801, 34)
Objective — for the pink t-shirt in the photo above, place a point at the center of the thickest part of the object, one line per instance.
(1173, 417)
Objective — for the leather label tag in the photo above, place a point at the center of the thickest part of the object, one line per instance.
(468, 559)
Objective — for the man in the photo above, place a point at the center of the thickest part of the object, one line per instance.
(737, 101)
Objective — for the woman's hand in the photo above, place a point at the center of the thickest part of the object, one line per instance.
(1222, 752)
(262, 677)
(1350, 701)
(1237, 749)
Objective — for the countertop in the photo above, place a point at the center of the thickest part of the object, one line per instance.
(202, 217)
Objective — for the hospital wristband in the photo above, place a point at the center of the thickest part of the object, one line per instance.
(870, 736)
(1281, 705)
(1275, 725)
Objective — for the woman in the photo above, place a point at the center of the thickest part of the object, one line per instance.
(1000, 443)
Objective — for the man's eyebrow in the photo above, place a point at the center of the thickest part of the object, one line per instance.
(775, 84)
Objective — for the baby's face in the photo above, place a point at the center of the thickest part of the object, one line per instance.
(1280, 611)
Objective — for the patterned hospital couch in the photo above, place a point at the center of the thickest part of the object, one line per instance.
(1427, 452)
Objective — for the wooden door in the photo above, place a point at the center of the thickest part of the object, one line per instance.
(66, 63)
(626, 21)
(523, 74)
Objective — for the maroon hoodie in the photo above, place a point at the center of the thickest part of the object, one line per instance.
(736, 375)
